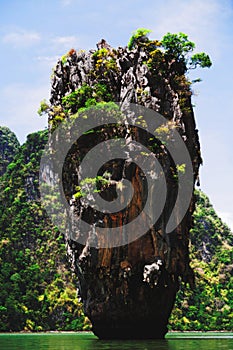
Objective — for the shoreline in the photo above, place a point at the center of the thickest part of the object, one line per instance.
(90, 332)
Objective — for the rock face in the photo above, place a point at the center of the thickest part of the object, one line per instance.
(128, 291)
(9, 145)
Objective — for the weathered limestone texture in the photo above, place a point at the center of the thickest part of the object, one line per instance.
(129, 291)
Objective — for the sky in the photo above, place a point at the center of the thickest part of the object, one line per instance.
(34, 34)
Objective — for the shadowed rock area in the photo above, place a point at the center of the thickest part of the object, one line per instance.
(128, 291)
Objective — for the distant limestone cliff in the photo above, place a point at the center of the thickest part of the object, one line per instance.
(9, 145)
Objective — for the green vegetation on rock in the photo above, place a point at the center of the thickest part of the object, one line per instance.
(39, 291)
(172, 46)
(85, 96)
(179, 47)
(139, 35)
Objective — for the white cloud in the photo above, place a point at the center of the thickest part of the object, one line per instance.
(201, 20)
(65, 42)
(66, 2)
(21, 38)
(21, 116)
(48, 61)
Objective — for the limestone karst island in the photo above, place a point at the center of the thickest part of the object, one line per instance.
(68, 264)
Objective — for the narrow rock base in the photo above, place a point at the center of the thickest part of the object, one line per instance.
(134, 331)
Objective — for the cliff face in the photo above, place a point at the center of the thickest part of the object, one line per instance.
(128, 291)
(9, 145)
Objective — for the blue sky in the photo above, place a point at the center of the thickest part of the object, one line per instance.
(34, 34)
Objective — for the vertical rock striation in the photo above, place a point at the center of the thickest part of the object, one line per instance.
(128, 291)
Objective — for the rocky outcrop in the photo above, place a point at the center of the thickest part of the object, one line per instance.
(128, 291)
(9, 145)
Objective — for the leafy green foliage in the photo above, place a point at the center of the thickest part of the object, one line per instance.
(139, 35)
(90, 185)
(86, 96)
(178, 46)
(101, 53)
(77, 99)
(200, 59)
(105, 63)
(44, 107)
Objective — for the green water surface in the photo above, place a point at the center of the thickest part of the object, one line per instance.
(87, 341)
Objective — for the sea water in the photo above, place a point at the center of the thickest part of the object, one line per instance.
(87, 341)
